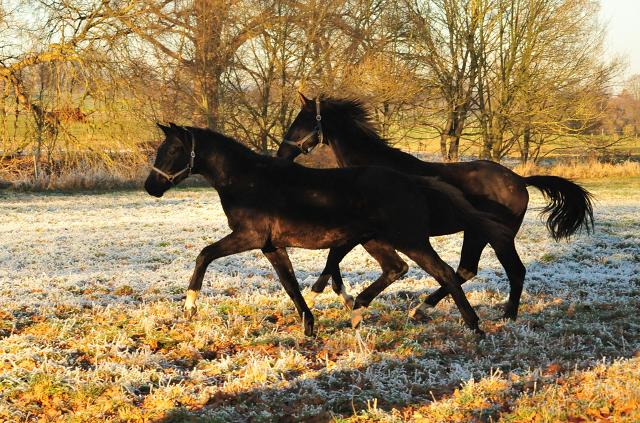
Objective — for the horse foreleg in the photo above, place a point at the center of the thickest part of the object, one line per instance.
(332, 271)
(233, 243)
(393, 267)
(279, 259)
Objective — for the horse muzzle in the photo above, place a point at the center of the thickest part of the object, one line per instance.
(155, 187)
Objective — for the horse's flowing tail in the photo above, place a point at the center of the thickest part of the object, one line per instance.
(570, 206)
(453, 205)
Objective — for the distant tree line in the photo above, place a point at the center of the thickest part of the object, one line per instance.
(513, 75)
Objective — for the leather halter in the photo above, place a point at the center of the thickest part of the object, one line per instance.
(189, 166)
(317, 130)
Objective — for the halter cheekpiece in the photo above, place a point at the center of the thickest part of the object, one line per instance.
(317, 130)
(189, 166)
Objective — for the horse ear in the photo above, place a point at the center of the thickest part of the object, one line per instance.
(180, 133)
(165, 129)
(307, 104)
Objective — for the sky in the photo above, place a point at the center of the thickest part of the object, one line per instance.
(624, 29)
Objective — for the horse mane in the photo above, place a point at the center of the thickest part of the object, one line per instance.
(354, 112)
(230, 144)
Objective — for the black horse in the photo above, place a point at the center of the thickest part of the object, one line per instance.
(273, 203)
(345, 125)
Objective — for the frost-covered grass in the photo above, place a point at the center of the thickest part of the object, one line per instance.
(91, 289)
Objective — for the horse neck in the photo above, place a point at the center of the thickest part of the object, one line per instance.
(224, 166)
(354, 147)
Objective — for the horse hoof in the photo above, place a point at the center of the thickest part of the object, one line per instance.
(308, 330)
(349, 303)
(356, 317)
(419, 316)
(510, 316)
(189, 313)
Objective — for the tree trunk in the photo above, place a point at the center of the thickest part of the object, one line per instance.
(454, 145)
(452, 133)
(385, 119)
(497, 138)
(526, 143)
(444, 137)
(208, 61)
(3, 116)
(487, 145)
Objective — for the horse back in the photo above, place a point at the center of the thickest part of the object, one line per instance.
(488, 186)
(320, 208)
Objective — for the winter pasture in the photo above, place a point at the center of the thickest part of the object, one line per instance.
(92, 285)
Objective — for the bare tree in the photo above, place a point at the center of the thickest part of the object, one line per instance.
(194, 40)
(540, 63)
(44, 61)
(448, 31)
(632, 86)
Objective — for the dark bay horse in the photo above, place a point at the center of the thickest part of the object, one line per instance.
(345, 125)
(273, 203)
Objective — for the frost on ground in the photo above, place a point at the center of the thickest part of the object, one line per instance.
(91, 289)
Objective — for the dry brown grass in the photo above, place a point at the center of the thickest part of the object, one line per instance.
(591, 170)
(131, 173)
(82, 177)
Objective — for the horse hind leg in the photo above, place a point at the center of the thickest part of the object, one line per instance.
(339, 288)
(472, 247)
(516, 272)
(393, 268)
(430, 262)
(279, 259)
(318, 287)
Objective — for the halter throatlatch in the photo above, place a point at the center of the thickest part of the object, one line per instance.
(317, 130)
(189, 166)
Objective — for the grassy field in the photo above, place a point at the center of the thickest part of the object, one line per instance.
(92, 284)
(561, 149)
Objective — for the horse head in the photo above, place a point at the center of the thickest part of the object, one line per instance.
(305, 133)
(174, 160)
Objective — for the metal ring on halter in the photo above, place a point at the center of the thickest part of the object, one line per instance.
(189, 166)
(300, 144)
(317, 130)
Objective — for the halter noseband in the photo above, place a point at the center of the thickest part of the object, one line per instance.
(317, 130)
(189, 166)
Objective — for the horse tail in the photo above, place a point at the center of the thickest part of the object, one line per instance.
(452, 205)
(570, 206)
